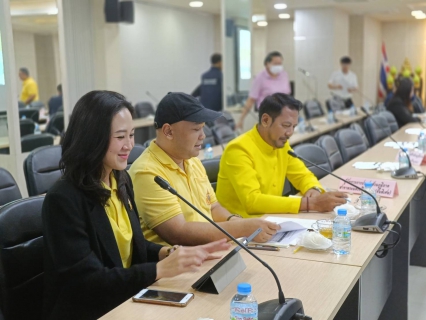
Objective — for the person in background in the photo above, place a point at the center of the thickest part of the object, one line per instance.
(165, 219)
(95, 254)
(400, 104)
(210, 89)
(344, 82)
(271, 80)
(55, 102)
(29, 92)
(254, 166)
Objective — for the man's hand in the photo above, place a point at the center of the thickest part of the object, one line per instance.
(326, 202)
(268, 228)
(350, 90)
(312, 193)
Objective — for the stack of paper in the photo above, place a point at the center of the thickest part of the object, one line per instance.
(408, 145)
(366, 165)
(415, 131)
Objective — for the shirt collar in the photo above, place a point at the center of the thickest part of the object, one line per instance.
(164, 158)
(113, 183)
(261, 144)
(267, 75)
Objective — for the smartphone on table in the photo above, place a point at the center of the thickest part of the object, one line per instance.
(168, 298)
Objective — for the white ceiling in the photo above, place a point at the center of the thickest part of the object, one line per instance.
(383, 10)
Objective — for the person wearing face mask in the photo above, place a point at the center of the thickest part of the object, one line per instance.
(254, 166)
(271, 80)
(344, 82)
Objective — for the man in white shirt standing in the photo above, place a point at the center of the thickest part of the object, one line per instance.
(344, 82)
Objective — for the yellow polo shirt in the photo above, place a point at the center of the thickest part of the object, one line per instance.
(29, 87)
(120, 223)
(252, 174)
(156, 205)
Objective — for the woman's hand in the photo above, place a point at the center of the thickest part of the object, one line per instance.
(188, 259)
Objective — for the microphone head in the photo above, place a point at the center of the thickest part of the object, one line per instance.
(364, 110)
(162, 183)
(292, 153)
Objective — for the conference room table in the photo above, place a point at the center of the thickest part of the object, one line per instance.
(357, 286)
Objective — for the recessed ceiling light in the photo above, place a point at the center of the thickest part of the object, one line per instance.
(196, 4)
(420, 16)
(53, 11)
(416, 12)
(262, 23)
(258, 17)
(298, 38)
(280, 6)
(284, 16)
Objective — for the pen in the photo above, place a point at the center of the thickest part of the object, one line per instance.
(297, 249)
(266, 248)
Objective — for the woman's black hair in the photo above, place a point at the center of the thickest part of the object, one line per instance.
(86, 143)
(270, 56)
(403, 91)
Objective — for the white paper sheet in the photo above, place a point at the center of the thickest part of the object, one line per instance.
(408, 145)
(366, 165)
(415, 131)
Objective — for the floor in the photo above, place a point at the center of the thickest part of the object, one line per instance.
(417, 293)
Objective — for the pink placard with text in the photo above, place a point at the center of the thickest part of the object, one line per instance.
(384, 188)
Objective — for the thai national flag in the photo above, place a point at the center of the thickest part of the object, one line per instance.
(384, 70)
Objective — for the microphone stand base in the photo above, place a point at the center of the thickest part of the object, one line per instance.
(273, 310)
(405, 173)
(371, 222)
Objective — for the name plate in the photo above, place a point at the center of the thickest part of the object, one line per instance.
(384, 188)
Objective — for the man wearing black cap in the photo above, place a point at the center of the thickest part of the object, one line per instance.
(165, 219)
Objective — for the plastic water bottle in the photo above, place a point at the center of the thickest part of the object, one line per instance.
(368, 204)
(352, 111)
(403, 159)
(330, 117)
(37, 129)
(342, 233)
(421, 141)
(301, 125)
(244, 304)
(24, 117)
(208, 151)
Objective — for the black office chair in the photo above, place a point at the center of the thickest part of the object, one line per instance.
(134, 154)
(329, 145)
(358, 128)
(56, 124)
(223, 134)
(335, 104)
(393, 124)
(21, 259)
(212, 169)
(33, 141)
(147, 142)
(30, 113)
(144, 109)
(350, 144)
(313, 109)
(9, 190)
(377, 130)
(26, 127)
(209, 139)
(41, 169)
(227, 119)
(316, 155)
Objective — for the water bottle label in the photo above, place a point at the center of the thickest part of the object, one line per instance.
(244, 313)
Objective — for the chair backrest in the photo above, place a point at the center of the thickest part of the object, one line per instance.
(316, 155)
(21, 259)
(37, 105)
(417, 105)
(335, 104)
(313, 109)
(376, 129)
(26, 126)
(9, 190)
(41, 169)
(224, 134)
(360, 130)
(226, 119)
(393, 124)
(30, 113)
(350, 144)
(147, 142)
(56, 124)
(144, 109)
(134, 154)
(33, 141)
(209, 139)
(212, 169)
(329, 145)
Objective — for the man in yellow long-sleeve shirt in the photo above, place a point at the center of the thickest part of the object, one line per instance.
(254, 166)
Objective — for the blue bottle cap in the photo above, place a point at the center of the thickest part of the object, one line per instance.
(208, 145)
(244, 288)
(405, 149)
(368, 184)
(342, 212)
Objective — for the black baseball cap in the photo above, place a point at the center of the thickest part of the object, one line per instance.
(179, 106)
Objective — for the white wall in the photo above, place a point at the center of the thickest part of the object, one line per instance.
(165, 50)
(46, 68)
(372, 58)
(25, 54)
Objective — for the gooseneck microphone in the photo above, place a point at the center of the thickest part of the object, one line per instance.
(278, 309)
(402, 173)
(372, 222)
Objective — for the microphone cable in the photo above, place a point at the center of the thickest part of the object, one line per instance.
(383, 252)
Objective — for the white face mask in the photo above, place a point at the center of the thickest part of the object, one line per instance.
(274, 69)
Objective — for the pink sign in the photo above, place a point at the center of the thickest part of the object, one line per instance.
(384, 188)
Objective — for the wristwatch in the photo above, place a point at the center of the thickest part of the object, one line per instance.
(317, 189)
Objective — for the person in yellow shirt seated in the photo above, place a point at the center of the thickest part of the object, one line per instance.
(29, 92)
(165, 219)
(254, 166)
